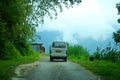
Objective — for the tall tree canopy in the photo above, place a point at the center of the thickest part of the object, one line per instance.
(18, 19)
(118, 8)
(48, 7)
(116, 35)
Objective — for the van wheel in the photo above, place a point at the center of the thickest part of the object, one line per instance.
(65, 59)
(51, 58)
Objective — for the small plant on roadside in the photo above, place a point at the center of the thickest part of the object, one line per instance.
(108, 53)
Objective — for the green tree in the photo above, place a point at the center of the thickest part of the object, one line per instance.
(18, 19)
(51, 8)
(118, 8)
(97, 53)
(78, 51)
(14, 27)
(116, 36)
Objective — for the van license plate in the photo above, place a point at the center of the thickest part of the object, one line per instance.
(58, 51)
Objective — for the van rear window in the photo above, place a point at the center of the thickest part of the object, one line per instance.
(59, 45)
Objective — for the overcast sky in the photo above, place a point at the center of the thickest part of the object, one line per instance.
(95, 19)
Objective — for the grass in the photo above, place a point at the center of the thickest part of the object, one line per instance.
(106, 69)
(7, 67)
(45, 54)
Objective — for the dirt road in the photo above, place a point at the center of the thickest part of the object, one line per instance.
(57, 70)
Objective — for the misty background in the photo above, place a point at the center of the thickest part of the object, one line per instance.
(90, 24)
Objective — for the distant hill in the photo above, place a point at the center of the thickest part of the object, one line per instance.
(47, 37)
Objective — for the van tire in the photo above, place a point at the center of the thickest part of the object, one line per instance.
(51, 58)
(65, 59)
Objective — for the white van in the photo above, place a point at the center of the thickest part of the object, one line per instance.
(58, 50)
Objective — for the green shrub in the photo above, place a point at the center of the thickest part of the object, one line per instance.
(23, 47)
(7, 67)
(78, 52)
(108, 53)
(9, 51)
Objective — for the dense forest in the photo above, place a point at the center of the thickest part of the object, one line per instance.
(18, 19)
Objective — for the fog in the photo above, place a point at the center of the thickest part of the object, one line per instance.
(90, 24)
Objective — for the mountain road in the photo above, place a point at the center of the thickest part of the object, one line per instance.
(56, 70)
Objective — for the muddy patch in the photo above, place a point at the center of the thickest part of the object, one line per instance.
(23, 70)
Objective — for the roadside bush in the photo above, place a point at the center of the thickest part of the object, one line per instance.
(7, 67)
(78, 52)
(24, 48)
(108, 53)
(8, 51)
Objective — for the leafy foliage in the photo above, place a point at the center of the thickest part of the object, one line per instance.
(109, 53)
(118, 8)
(41, 8)
(7, 67)
(15, 29)
(18, 19)
(78, 52)
(116, 36)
